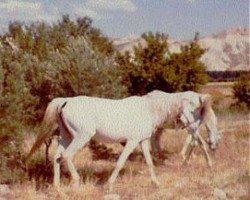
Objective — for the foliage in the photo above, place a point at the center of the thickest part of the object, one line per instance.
(40, 38)
(40, 62)
(241, 90)
(15, 109)
(78, 69)
(154, 67)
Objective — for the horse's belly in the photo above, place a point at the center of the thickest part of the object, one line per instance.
(99, 137)
(122, 131)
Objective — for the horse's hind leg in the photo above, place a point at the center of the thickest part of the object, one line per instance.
(145, 145)
(130, 146)
(76, 144)
(56, 165)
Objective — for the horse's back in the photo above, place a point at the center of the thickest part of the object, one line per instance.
(115, 118)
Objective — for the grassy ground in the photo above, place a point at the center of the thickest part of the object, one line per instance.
(229, 177)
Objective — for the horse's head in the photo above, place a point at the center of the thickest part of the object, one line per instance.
(214, 139)
(209, 118)
(193, 114)
(213, 132)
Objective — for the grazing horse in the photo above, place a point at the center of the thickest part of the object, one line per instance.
(132, 120)
(196, 110)
(210, 122)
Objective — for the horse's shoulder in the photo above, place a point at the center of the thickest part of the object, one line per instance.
(206, 96)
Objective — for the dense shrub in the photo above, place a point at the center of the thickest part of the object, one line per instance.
(16, 110)
(241, 90)
(154, 67)
(40, 38)
(40, 62)
(78, 69)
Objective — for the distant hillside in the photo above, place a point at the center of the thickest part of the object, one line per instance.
(226, 51)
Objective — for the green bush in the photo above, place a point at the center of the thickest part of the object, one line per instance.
(154, 67)
(64, 59)
(78, 69)
(241, 90)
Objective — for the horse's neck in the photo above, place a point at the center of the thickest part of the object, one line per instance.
(211, 121)
(164, 109)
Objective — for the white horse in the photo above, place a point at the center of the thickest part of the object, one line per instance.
(193, 111)
(210, 122)
(133, 119)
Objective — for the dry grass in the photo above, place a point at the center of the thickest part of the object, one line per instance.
(194, 181)
(230, 172)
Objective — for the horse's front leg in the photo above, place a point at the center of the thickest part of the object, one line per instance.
(189, 147)
(189, 150)
(130, 146)
(145, 145)
(203, 146)
(186, 146)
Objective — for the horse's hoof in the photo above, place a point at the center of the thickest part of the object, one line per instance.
(57, 187)
(76, 185)
(112, 197)
(184, 163)
(110, 190)
(156, 183)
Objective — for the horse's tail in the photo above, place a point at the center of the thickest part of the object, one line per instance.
(48, 125)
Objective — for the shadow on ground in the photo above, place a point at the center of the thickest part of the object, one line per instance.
(42, 172)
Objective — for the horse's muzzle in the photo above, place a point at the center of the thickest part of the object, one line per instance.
(212, 146)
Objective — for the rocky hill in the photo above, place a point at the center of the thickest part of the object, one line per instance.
(226, 51)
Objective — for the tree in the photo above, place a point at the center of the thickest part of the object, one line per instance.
(188, 73)
(65, 59)
(154, 67)
(39, 38)
(78, 69)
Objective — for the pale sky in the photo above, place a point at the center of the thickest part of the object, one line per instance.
(120, 18)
